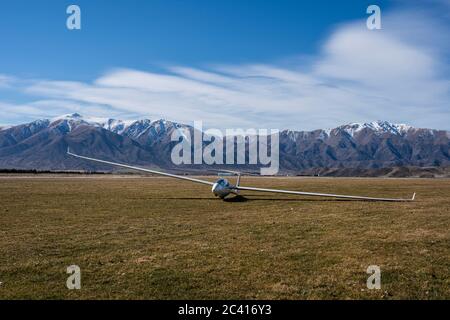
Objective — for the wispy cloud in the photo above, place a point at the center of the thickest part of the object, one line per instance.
(6, 81)
(399, 73)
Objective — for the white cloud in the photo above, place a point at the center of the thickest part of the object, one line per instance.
(6, 81)
(399, 73)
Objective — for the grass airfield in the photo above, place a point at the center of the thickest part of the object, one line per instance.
(156, 238)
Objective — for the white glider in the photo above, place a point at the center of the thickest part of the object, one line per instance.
(222, 187)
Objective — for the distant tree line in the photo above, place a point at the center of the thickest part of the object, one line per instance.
(35, 171)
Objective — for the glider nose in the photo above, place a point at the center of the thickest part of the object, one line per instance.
(217, 189)
(220, 190)
(214, 189)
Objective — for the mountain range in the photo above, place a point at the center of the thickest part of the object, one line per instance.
(42, 145)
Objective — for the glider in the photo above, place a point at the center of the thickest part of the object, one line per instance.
(222, 187)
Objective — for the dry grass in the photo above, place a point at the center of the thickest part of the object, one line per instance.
(155, 238)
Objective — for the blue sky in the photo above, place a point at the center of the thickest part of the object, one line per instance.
(231, 63)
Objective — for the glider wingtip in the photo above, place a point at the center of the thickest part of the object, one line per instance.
(413, 197)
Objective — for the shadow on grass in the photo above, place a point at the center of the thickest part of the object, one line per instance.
(240, 198)
(259, 198)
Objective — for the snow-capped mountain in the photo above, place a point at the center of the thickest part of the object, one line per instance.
(42, 144)
(379, 127)
(352, 129)
(113, 125)
(145, 130)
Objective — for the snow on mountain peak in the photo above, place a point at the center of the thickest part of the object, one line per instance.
(131, 128)
(70, 116)
(114, 125)
(38, 124)
(157, 128)
(377, 126)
